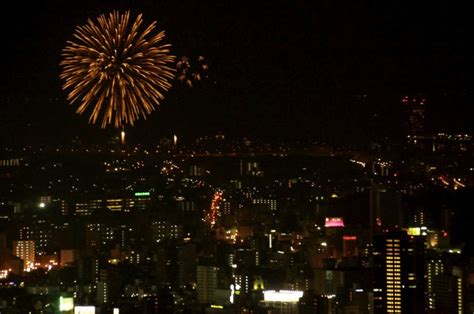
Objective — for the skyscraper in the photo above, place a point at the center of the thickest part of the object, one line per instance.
(399, 269)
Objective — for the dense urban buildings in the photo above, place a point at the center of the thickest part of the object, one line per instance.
(238, 226)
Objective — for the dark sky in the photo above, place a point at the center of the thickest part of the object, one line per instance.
(331, 70)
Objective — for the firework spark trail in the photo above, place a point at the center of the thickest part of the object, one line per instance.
(115, 71)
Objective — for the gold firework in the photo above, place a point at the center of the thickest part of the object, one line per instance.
(116, 71)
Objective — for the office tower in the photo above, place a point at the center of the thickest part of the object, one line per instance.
(398, 270)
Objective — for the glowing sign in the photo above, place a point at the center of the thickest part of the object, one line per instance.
(282, 295)
(86, 309)
(66, 304)
(142, 193)
(214, 306)
(349, 238)
(414, 231)
(333, 222)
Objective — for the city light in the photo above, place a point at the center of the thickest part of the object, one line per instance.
(282, 295)
(142, 194)
(85, 309)
(211, 217)
(122, 137)
(333, 222)
(214, 306)
(66, 304)
(414, 231)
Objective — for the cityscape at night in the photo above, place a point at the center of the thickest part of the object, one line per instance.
(189, 157)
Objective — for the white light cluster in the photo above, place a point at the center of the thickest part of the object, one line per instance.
(85, 309)
(282, 295)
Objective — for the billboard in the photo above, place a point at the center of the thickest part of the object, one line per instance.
(333, 222)
(282, 295)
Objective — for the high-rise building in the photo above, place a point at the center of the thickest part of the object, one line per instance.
(206, 283)
(399, 269)
(448, 293)
(444, 284)
(25, 249)
(102, 288)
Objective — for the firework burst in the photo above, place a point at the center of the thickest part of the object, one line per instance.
(115, 71)
(189, 71)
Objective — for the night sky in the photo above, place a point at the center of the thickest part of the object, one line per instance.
(329, 70)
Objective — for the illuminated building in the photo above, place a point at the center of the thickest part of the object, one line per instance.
(444, 284)
(102, 288)
(206, 283)
(448, 293)
(140, 201)
(64, 207)
(98, 235)
(25, 233)
(46, 200)
(9, 162)
(40, 232)
(250, 168)
(115, 204)
(25, 249)
(187, 206)
(84, 209)
(270, 204)
(242, 280)
(165, 230)
(196, 171)
(226, 208)
(399, 269)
